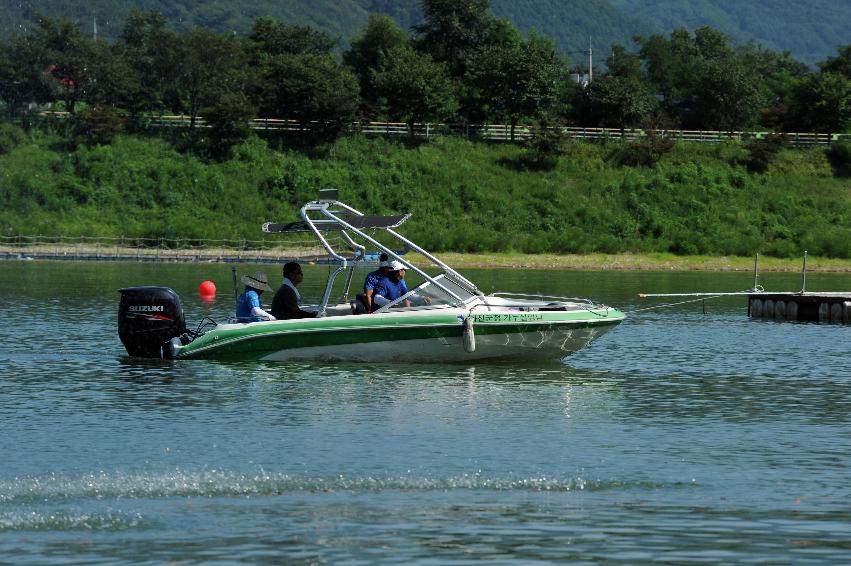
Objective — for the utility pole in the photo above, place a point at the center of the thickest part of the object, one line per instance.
(590, 61)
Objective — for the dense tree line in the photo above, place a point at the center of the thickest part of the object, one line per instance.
(810, 30)
(462, 64)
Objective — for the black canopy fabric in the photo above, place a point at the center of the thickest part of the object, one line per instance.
(328, 225)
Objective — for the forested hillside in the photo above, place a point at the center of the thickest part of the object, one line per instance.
(339, 18)
(810, 30)
(572, 23)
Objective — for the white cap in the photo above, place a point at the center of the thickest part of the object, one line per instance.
(396, 265)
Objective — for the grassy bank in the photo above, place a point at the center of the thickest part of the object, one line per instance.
(643, 262)
(465, 197)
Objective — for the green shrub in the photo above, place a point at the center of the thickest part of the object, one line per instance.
(97, 125)
(228, 124)
(762, 152)
(11, 136)
(839, 155)
(645, 151)
(543, 148)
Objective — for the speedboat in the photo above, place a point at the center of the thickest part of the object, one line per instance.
(444, 318)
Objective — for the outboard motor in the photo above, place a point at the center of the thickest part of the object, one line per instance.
(148, 318)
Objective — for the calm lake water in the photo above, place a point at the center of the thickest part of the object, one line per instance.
(680, 437)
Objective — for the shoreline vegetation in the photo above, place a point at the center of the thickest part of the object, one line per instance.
(643, 262)
(499, 260)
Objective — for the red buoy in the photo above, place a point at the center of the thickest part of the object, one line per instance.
(207, 290)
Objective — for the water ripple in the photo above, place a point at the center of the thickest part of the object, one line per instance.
(67, 521)
(220, 483)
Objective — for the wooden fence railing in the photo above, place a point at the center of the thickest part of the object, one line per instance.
(491, 132)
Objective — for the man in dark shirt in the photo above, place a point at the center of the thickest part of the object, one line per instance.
(286, 302)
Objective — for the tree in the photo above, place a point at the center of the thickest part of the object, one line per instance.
(711, 44)
(298, 78)
(454, 30)
(150, 50)
(209, 65)
(22, 78)
(728, 97)
(710, 85)
(380, 35)
(622, 101)
(228, 118)
(415, 87)
(518, 80)
(621, 63)
(670, 64)
(822, 103)
(66, 58)
(274, 38)
(310, 88)
(841, 64)
(776, 74)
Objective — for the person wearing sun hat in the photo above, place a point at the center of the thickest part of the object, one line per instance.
(248, 306)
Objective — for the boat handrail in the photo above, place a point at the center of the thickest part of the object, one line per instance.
(457, 276)
(509, 295)
(324, 209)
(321, 238)
(425, 284)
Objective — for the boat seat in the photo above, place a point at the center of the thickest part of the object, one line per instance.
(359, 305)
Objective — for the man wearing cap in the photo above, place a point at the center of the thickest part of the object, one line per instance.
(372, 280)
(248, 307)
(285, 305)
(391, 287)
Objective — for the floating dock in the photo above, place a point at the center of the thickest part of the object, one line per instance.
(793, 305)
(817, 307)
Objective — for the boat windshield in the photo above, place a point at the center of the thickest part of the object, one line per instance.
(429, 294)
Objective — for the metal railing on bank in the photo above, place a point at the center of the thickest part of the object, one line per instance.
(122, 248)
(489, 132)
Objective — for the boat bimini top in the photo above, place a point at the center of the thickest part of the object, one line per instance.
(327, 214)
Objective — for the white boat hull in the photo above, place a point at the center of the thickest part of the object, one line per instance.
(554, 343)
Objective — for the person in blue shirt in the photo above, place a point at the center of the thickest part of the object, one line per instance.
(372, 280)
(248, 306)
(391, 287)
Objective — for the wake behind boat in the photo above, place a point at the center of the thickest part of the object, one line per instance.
(445, 318)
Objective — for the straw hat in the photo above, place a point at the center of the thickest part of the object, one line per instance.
(257, 281)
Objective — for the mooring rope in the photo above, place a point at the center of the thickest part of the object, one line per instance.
(672, 304)
(754, 290)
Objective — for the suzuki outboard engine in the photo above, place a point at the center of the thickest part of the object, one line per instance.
(148, 318)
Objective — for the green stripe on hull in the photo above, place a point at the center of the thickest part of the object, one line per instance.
(252, 342)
